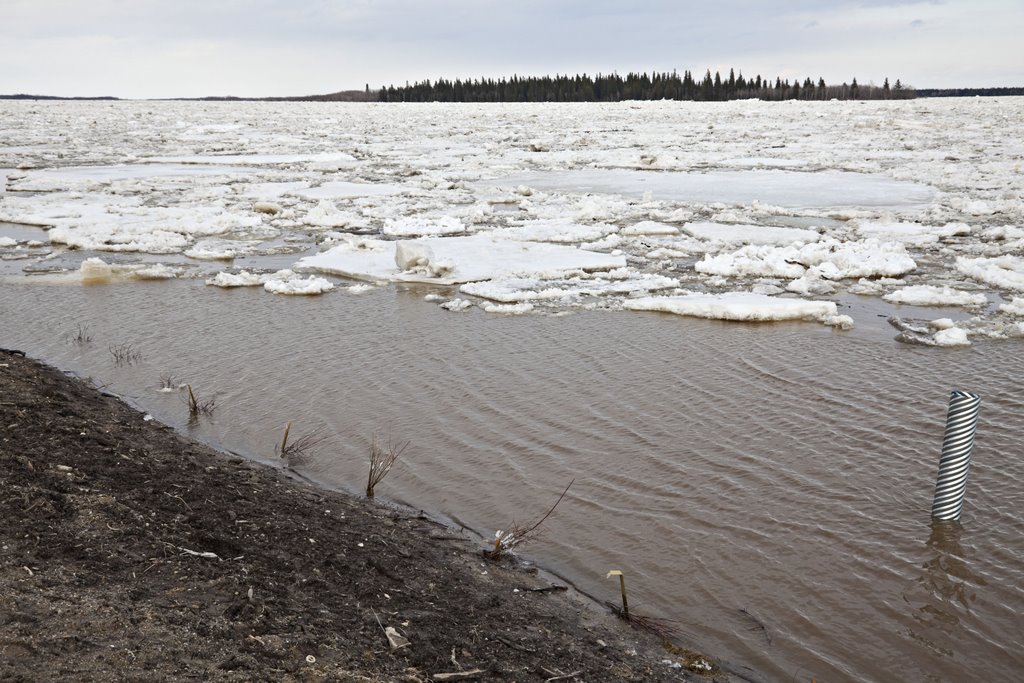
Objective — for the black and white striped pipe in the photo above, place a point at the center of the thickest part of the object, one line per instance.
(957, 444)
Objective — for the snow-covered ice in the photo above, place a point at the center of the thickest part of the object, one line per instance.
(739, 306)
(931, 295)
(1003, 272)
(538, 203)
(474, 257)
(749, 234)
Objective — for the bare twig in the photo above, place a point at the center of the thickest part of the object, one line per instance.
(124, 354)
(169, 495)
(514, 646)
(382, 459)
(295, 452)
(197, 407)
(195, 553)
(81, 336)
(517, 534)
(458, 675)
(758, 625)
(665, 629)
(574, 674)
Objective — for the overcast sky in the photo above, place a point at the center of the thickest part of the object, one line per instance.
(191, 48)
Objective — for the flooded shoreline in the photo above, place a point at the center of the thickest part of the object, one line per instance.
(481, 281)
(725, 467)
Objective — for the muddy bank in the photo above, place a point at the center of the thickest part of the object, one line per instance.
(132, 553)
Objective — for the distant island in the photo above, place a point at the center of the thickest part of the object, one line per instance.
(366, 95)
(640, 86)
(604, 88)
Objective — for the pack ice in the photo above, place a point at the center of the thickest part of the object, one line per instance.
(736, 211)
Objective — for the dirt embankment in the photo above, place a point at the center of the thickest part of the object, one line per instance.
(131, 553)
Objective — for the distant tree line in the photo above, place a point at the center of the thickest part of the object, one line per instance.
(638, 86)
(969, 92)
(23, 96)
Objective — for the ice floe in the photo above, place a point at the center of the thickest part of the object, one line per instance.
(1003, 272)
(932, 295)
(832, 260)
(473, 257)
(912, 233)
(738, 306)
(281, 282)
(297, 285)
(542, 205)
(1015, 307)
(621, 282)
(749, 234)
(415, 226)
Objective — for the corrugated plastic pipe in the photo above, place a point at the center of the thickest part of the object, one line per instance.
(957, 445)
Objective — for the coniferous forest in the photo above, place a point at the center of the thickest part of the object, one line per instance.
(637, 86)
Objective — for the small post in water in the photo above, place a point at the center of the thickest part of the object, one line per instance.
(957, 444)
(622, 587)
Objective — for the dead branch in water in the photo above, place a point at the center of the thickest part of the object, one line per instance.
(294, 453)
(382, 459)
(758, 625)
(197, 407)
(505, 541)
(124, 354)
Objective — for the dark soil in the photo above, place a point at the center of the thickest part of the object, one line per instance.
(132, 553)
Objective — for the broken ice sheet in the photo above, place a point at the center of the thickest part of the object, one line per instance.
(737, 306)
(475, 257)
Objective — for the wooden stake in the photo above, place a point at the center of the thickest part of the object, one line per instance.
(622, 586)
(284, 441)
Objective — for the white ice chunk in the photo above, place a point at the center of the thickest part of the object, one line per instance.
(763, 162)
(931, 295)
(1004, 272)
(912, 233)
(843, 322)
(326, 215)
(297, 285)
(508, 309)
(555, 230)
(93, 271)
(418, 257)
(157, 271)
(269, 208)
(834, 260)
(415, 226)
(511, 290)
(792, 189)
(50, 179)
(361, 288)
(953, 336)
(1015, 307)
(650, 228)
(457, 304)
(750, 234)
(811, 284)
(338, 189)
(741, 306)
(7, 242)
(334, 158)
(242, 278)
(210, 254)
(268, 191)
(475, 257)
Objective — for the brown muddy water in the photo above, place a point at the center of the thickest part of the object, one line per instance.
(768, 486)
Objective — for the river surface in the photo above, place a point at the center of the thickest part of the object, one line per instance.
(768, 486)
